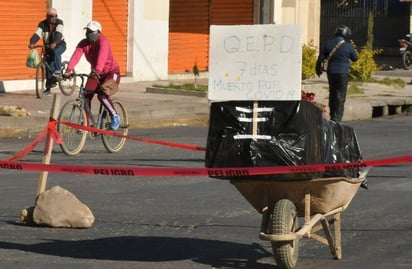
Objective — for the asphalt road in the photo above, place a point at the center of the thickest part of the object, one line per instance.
(197, 222)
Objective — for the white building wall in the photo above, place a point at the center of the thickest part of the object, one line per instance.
(75, 14)
(148, 39)
(277, 11)
(303, 12)
(309, 17)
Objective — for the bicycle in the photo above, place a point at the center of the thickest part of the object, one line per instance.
(77, 111)
(67, 86)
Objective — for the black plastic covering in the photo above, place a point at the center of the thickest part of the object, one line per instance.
(288, 133)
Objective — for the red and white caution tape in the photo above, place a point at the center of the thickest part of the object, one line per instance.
(50, 130)
(210, 172)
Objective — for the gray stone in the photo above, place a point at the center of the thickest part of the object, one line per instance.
(59, 208)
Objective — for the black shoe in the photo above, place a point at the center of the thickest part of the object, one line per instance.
(46, 92)
(52, 83)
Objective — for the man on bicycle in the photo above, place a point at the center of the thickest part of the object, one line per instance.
(98, 53)
(51, 29)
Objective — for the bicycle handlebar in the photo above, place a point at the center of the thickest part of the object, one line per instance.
(82, 76)
(79, 75)
(40, 46)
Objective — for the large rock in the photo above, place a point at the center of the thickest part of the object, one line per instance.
(58, 207)
(13, 111)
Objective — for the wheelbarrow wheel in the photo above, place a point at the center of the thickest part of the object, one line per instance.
(285, 221)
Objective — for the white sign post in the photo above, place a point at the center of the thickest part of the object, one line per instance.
(255, 62)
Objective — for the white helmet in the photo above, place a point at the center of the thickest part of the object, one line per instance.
(94, 26)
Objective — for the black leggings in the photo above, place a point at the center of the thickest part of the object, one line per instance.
(338, 86)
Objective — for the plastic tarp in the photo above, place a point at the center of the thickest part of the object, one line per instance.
(278, 133)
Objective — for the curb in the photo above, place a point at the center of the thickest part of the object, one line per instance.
(198, 121)
(176, 92)
(30, 132)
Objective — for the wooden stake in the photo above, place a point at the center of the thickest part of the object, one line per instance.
(54, 112)
(255, 123)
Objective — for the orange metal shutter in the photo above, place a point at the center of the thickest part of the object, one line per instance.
(113, 17)
(229, 12)
(189, 23)
(188, 35)
(18, 20)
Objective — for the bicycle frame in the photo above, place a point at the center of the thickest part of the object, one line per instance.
(43, 57)
(43, 73)
(85, 106)
(78, 111)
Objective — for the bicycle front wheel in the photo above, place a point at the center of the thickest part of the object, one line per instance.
(67, 85)
(73, 139)
(114, 143)
(40, 79)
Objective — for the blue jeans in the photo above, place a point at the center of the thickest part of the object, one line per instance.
(54, 61)
(57, 53)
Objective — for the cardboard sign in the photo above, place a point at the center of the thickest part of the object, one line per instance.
(255, 62)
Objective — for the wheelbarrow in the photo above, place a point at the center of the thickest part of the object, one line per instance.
(319, 201)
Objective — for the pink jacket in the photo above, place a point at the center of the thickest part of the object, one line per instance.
(98, 54)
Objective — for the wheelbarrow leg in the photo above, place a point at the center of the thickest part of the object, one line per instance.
(266, 221)
(334, 245)
(338, 239)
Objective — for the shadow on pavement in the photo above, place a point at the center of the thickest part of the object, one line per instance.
(215, 253)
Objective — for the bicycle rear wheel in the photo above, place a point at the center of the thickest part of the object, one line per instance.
(40, 79)
(67, 85)
(114, 143)
(73, 139)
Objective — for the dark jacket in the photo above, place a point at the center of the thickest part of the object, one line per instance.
(339, 62)
(51, 33)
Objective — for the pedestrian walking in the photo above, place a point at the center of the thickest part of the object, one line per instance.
(339, 52)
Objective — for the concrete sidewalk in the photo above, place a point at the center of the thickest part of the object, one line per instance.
(378, 100)
(149, 110)
(145, 110)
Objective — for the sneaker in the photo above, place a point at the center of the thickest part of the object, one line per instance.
(46, 92)
(114, 125)
(57, 75)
